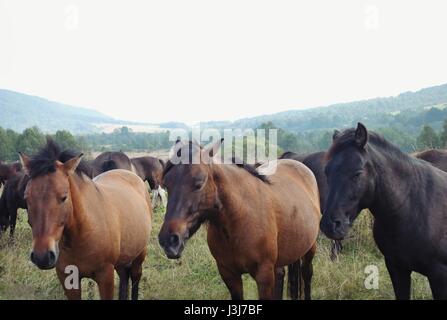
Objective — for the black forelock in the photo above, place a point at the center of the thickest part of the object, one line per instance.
(44, 161)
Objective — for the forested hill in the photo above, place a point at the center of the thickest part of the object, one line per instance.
(19, 111)
(408, 112)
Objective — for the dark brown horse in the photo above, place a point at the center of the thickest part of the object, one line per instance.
(316, 162)
(7, 171)
(255, 225)
(150, 169)
(11, 200)
(407, 198)
(436, 157)
(110, 160)
(93, 226)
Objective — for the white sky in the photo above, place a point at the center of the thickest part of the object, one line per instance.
(194, 60)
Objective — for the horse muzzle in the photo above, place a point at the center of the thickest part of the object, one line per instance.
(335, 229)
(173, 245)
(46, 260)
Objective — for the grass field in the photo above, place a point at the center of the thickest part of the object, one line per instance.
(195, 275)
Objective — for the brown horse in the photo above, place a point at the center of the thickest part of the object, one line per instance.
(436, 157)
(255, 225)
(110, 160)
(94, 226)
(150, 169)
(316, 163)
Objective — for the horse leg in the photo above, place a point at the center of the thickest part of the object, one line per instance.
(105, 281)
(123, 274)
(307, 269)
(265, 279)
(279, 283)
(162, 195)
(154, 198)
(135, 273)
(73, 290)
(336, 247)
(401, 279)
(12, 221)
(233, 281)
(294, 278)
(438, 285)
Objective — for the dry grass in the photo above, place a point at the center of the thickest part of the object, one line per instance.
(195, 276)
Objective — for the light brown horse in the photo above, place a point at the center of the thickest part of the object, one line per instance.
(255, 225)
(95, 225)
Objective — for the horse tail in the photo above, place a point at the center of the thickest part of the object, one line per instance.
(163, 164)
(295, 280)
(108, 165)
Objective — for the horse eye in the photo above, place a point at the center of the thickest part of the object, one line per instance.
(64, 198)
(357, 175)
(198, 186)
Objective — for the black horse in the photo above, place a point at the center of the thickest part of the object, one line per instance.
(316, 162)
(11, 200)
(407, 198)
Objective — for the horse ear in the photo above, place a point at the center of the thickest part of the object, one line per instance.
(71, 165)
(361, 135)
(25, 161)
(335, 134)
(214, 149)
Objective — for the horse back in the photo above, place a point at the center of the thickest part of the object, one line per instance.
(296, 177)
(297, 207)
(128, 208)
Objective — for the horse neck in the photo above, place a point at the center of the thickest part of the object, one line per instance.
(79, 221)
(4, 171)
(392, 185)
(229, 186)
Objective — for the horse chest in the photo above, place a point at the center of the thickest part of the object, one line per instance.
(234, 253)
(403, 244)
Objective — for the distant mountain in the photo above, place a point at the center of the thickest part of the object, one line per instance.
(407, 112)
(19, 111)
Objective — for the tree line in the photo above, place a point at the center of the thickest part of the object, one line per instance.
(124, 139)
(31, 139)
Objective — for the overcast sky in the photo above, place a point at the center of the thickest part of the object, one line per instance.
(193, 60)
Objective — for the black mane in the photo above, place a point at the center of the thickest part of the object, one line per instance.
(250, 169)
(346, 139)
(195, 147)
(44, 161)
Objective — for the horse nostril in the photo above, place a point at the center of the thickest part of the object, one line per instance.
(174, 240)
(337, 224)
(32, 257)
(51, 257)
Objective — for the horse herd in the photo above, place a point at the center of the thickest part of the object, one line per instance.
(97, 216)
